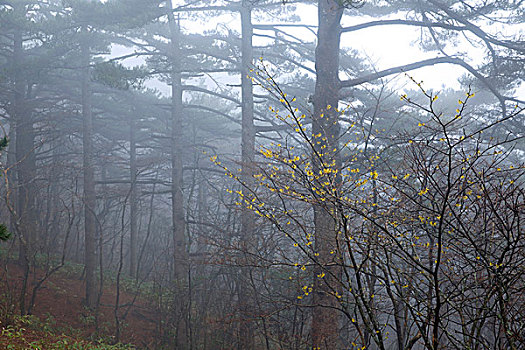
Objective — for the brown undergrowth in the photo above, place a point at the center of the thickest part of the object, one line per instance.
(59, 319)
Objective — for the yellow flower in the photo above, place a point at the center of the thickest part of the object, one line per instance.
(424, 191)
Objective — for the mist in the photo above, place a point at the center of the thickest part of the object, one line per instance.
(262, 174)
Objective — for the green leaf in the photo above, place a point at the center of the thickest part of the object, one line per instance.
(117, 76)
(3, 143)
(4, 233)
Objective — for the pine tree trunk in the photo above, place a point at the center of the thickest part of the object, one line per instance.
(25, 167)
(133, 199)
(181, 263)
(246, 327)
(89, 180)
(325, 317)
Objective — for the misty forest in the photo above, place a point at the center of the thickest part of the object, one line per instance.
(262, 174)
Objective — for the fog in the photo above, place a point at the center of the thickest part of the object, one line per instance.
(262, 174)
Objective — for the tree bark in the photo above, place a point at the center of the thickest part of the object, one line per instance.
(325, 127)
(246, 327)
(11, 191)
(133, 198)
(89, 179)
(181, 263)
(25, 166)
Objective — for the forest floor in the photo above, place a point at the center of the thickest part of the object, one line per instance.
(59, 319)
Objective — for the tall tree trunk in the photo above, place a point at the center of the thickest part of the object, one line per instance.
(325, 321)
(89, 180)
(25, 165)
(246, 327)
(11, 193)
(133, 198)
(18, 110)
(181, 264)
(202, 214)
